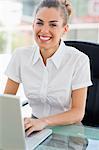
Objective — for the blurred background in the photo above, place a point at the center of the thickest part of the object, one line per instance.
(16, 18)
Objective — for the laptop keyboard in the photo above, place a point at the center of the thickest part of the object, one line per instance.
(35, 134)
(36, 138)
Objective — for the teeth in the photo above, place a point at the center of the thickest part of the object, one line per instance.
(44, 38)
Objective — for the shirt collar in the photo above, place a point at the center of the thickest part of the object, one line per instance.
(36, 55)
(56, 58)
(58, 55)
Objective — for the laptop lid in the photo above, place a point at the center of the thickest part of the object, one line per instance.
(11, 124)
(12, 135)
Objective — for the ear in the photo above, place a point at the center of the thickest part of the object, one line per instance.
(66, 28)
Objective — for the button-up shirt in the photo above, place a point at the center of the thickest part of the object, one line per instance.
(49, 88)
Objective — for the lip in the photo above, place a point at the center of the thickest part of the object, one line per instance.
(44, 38)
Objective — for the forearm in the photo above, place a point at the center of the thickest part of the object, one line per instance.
(75, 114)
(69, 117)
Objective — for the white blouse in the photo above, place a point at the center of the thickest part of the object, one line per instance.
(48, 88)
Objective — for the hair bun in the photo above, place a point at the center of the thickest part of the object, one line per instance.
(68, 5)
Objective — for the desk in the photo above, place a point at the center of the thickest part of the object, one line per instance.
(63, 138)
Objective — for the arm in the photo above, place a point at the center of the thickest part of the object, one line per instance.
(72, 116)
(75, 114)
(11, 87)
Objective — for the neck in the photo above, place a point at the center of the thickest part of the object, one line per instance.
(47, 53)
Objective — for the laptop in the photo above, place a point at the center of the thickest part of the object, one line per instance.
(12, 134)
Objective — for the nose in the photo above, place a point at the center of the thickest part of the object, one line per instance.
(45, 29)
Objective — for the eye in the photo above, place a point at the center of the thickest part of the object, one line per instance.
(39, 23)
(53, 25)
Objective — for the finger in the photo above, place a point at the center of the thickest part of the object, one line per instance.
(30, 130)
(27, 126)
(26, 120)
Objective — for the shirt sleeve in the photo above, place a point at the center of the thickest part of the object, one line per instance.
(13, 68)
(81, 77)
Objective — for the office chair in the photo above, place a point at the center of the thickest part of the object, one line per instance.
(91, 117)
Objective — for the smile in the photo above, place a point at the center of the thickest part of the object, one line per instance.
(44, 38)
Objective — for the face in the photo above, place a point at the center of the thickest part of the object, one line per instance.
(48, 28)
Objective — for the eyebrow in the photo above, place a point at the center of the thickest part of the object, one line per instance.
(49, 21)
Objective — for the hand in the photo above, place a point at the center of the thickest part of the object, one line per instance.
(31, 125)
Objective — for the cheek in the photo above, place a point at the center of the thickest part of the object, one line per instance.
(59, 35)
(58, 32)
(35, 29)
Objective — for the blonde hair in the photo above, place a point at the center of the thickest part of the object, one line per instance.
(64, 7)
(68, 6)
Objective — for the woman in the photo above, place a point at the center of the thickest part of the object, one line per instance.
(55, 77)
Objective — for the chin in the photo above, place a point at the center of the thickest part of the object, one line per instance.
(43, 46)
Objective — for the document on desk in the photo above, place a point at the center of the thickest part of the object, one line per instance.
(93, 144)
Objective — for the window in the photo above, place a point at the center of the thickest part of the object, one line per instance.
(17, 31)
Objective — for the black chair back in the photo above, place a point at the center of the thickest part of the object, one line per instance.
(91, 117)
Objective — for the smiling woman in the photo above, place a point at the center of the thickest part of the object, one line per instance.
(48, 28)
(55, 77)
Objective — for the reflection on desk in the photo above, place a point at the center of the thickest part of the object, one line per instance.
(72, 137)
(61, 142)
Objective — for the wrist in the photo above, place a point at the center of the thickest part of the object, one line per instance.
(46, 121)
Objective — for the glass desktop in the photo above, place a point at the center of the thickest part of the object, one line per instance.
(72, 137)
